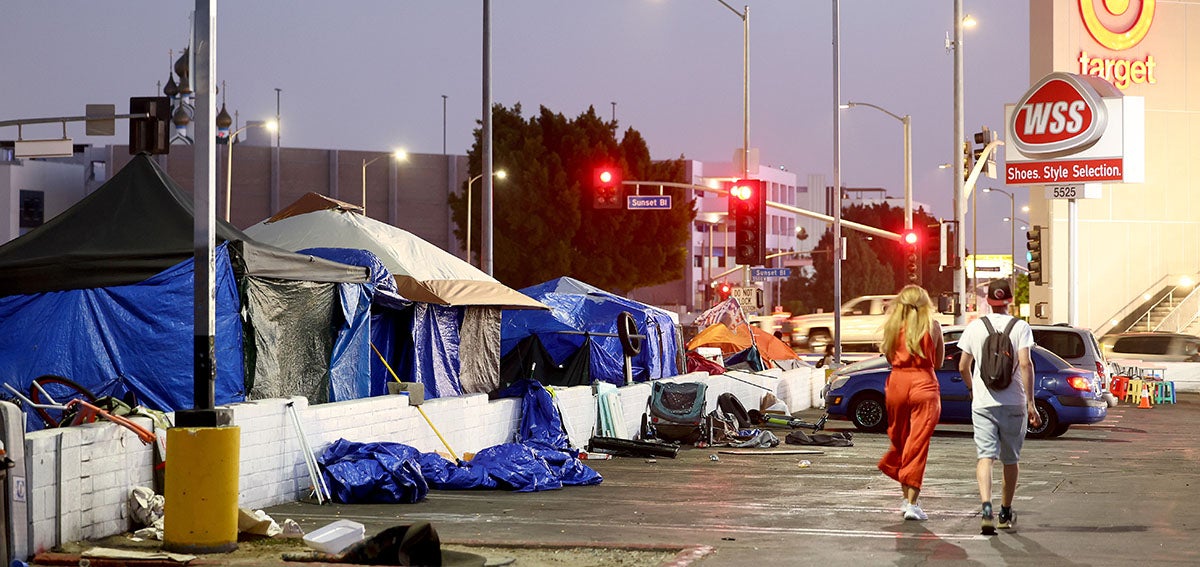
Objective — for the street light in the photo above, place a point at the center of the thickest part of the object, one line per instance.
(271, 126)
(501, 174)
(1012, 242)
(399, 155)
(906, 120)
(745, 16)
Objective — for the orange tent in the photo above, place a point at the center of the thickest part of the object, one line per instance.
(738, 339)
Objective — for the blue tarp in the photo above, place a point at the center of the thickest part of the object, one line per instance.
(385, 473)
(394, 472)
(579, 307)
(419, 340)
(130, 337)
(350, 360)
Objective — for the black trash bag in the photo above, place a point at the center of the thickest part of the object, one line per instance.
(836, 439)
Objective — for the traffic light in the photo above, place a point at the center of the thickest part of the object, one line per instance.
(984, 137)
(1033, 243)
(152, 134)
(968, 158)
(606, 188)
(748, 210)
(723, 290)
(932, 248)
(911, 242)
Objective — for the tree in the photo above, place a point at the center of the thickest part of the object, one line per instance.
(543, 224)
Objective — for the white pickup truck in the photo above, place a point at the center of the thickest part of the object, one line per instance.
(862, 324)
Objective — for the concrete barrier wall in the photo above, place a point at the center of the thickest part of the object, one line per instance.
(79, 478)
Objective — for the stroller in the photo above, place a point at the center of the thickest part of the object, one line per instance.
(675, 412)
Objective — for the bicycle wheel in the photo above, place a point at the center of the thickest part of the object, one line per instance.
(62, 390)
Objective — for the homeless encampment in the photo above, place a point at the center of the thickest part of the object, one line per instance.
(574, 343)
(103, 295)
(725, 326)
(449, 337)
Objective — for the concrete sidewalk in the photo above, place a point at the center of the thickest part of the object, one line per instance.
(1077, 492)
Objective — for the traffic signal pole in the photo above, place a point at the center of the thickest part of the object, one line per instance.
(865, 229)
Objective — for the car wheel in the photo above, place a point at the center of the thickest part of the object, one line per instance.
(818, 339)
(1049, 422)
(868, 412)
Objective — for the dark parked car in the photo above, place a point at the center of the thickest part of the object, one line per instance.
(1064, 395)
(1153, 347)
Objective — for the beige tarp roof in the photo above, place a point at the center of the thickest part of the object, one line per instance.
(423, 272)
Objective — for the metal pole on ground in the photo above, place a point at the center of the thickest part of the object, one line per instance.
(202, 473)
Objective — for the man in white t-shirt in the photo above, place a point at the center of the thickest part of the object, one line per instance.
(999, 416)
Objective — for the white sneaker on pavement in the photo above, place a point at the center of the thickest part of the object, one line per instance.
(904, 507)
(914, 512)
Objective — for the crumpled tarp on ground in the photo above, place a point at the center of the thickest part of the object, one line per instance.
(397, 473)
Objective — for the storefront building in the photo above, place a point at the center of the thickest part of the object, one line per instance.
(1137, 238)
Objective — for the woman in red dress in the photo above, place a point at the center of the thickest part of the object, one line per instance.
(912, 343)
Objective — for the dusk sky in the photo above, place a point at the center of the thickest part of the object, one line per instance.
(370, 75)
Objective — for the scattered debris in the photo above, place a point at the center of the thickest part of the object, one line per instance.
(257, 522)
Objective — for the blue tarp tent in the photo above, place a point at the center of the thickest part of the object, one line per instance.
(577, 308)
(448, 339)
(103, 295)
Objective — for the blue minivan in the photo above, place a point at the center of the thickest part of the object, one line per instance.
(1064, 395)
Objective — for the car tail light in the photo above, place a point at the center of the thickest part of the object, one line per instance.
(1100, 372)
(1080, 383)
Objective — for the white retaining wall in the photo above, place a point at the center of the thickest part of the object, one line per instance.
(79, 478)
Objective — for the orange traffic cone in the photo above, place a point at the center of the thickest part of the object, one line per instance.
(1145, 403)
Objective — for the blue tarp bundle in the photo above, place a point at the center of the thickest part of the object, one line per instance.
(373, 472)
(578, 307)
(393, 472)
(124, 338)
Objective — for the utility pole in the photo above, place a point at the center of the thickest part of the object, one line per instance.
(960, 282)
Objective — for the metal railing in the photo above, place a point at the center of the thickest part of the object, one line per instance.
(1183, 314)
(1137, 305)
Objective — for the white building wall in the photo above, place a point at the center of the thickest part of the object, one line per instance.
(60, 181)
(1138, 236)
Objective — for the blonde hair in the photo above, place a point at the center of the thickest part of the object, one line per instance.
(912, 310)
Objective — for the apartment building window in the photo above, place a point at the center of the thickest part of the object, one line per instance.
(33, 208)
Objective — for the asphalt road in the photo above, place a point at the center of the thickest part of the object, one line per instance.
(1115, 493)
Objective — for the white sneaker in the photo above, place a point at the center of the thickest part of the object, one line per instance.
(904, 507)
(914, 512)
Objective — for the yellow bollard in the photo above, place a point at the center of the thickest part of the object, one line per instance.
(202, 489)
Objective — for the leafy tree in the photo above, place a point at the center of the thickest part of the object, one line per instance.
(544, 225)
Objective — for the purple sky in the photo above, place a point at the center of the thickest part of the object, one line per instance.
(371, 74)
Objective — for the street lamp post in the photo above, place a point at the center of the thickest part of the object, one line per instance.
(270, 126)
(906, 120)
(400, 155)
(745, 17)
(501, 174)
(1012, 243)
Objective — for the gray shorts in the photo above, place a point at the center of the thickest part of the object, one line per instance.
(1000, 432)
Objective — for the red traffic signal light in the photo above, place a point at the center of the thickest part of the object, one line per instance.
(606, 182)
(724, 290)
(748, 211)
(742, 190)
(911, 238)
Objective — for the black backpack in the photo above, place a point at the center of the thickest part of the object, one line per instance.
(998, 360)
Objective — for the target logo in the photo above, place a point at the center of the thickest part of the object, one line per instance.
(1130, 27)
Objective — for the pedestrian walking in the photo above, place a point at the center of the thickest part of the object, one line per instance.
(998, 372)
(912, 342)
